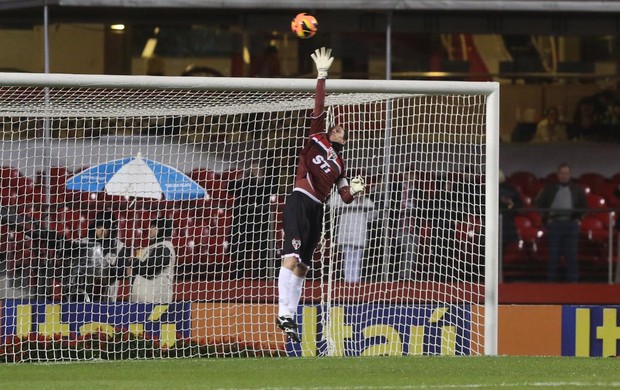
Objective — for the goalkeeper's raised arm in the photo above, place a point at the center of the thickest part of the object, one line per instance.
(321, 166)
(323, 61)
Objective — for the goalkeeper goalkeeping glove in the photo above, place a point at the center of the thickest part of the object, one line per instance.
(323, 60)
(357, 185)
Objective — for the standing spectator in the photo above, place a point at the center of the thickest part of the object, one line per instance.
(90, 263)
(413, 209)
(509, 201)
(104, 248)
(150, 269)
(446, 212)
(351, 233)
(251, 224)
(564, 204)
(550, 128)
(584, 125)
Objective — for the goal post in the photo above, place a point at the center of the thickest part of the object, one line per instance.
(421, 280)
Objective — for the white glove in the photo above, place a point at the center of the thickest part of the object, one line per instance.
(323, 61)
(357, 185)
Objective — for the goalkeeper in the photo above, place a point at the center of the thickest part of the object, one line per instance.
(320, 167)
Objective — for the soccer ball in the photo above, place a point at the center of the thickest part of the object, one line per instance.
(304, 25)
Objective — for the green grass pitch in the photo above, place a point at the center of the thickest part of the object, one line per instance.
(429, 372)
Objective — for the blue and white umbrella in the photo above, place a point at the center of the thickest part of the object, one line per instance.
(137, 177)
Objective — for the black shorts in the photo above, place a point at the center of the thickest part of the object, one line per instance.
(303, 223)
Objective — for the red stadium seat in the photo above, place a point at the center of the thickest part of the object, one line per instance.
(529, 234)
(534, 217)
(208, 246)
(522, 178)
(594, 242)
(593, 181)
(12, 178)
(133, 227)
(607, 190)
(526, 229)
(72, 224)
(216, 185)
(595, 201)
(526, 183)
(534, 188)
(208, 179)
(231, 175)
(593, 228)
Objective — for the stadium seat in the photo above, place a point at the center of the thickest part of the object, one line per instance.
(216, 185)
(221, 221)
(11, 177)
(231, 175)
(526, 183)
(534, 217)
(208, 179)
(133, 227)
(607, 190)
(595, 201)
(526, 229)
(593, 181)
(534, 188)
(594, 241)
(208, 246)
(551, 178)
(598, 202)
(469, 239)
(527, 201)
(594, 229)
(72, 224)
(521, 178)
(530, 235)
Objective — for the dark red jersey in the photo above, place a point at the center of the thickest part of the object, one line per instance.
(320, 167)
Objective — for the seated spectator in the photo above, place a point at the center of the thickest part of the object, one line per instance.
(584, 125)
(550, 128)
(249, 241)
(523, 132)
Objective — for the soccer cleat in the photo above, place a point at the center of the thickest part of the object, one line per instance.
(288, 325)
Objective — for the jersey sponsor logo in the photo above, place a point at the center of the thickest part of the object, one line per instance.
(331, 154)
(320, 161)
(296, 243)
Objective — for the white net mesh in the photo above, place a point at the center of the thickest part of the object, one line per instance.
(161, 272)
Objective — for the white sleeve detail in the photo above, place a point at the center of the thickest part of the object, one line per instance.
(342, 183)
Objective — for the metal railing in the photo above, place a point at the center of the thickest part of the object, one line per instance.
(598, 247)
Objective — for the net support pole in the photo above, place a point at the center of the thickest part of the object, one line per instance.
(491, 250)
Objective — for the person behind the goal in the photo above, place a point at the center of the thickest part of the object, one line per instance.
(320, 167)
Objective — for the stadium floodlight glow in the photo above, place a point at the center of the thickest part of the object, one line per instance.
(429, 151)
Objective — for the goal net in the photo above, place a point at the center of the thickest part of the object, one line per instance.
(142, 217)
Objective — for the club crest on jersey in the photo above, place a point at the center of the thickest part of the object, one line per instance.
(296, 243)
(331, 154)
